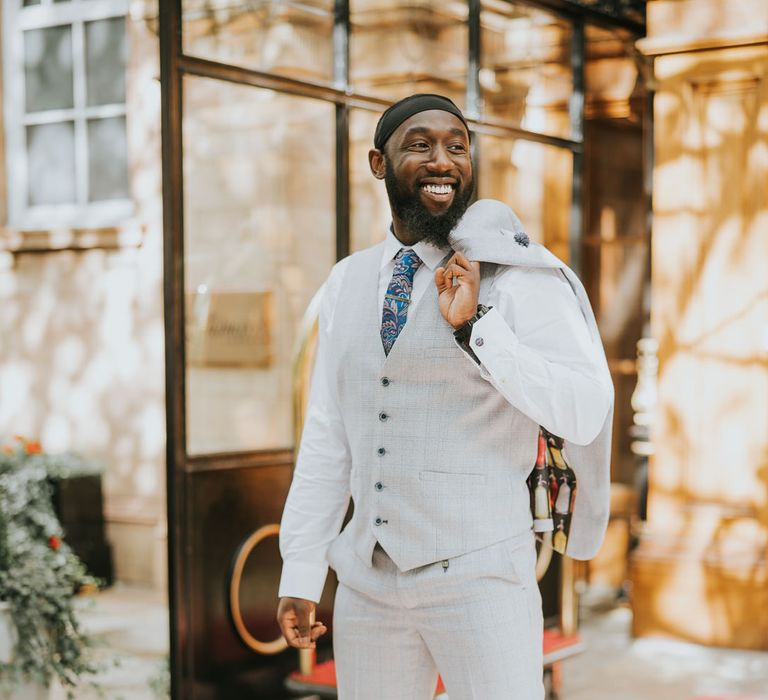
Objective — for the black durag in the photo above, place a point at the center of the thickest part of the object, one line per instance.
(395, 115)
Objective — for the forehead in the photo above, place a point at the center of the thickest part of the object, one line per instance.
(433, 122)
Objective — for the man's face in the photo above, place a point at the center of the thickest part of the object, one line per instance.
(428, 174)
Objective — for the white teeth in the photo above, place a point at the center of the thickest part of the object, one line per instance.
(438, 189)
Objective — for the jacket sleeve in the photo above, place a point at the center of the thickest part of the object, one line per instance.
(535, 347)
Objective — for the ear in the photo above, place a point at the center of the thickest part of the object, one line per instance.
(376, 161)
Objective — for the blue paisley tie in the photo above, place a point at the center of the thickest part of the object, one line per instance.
(398, 296)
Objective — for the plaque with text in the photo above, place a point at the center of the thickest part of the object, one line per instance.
(229, 329)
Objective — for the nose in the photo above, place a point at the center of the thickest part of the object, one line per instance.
(440, 160)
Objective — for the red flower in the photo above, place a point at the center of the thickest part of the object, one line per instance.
(8, 449)
(54, 543)
(33, 448)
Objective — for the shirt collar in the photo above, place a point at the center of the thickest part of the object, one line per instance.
(431, 255)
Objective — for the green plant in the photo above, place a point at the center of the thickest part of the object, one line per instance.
(39, 573)
(160, 682)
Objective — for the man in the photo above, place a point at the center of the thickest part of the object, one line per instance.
(432, 376)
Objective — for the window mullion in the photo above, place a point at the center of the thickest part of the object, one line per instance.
(49, 116)
(576, 110)
(474, 93)
(52, 14)
(80, 100)
(13, 106)
(104, 111)
(53, 116)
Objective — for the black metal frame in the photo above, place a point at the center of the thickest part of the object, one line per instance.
(174, 65)
(576, 114)
(173, 292)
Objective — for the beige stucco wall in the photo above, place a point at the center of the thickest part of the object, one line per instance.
(700, 571)
(81, 322)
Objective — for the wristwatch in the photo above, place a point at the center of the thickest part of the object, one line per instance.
(463, 334)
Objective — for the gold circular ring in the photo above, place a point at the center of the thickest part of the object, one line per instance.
(238, 564)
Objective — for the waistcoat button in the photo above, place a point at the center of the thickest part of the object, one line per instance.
(385, 381)
(383, 416)
(378, 521)
(378, 486)
(479, 342)
(381, 451)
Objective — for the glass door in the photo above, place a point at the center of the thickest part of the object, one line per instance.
(269, 109)
(251, 173)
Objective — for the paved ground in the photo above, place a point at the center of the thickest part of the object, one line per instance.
(133, 624)
(616, 667)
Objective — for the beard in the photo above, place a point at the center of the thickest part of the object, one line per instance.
(407, 206)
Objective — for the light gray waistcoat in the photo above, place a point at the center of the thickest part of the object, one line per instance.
(439, 457)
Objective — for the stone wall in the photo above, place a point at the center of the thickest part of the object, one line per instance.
(700, 571)
(81, 322)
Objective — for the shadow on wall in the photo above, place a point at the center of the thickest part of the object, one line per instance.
(704, 576)
(82, 364)
(82, 356)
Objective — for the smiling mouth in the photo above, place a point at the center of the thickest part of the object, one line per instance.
(439, 193)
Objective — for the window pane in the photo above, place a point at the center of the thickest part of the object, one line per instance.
(107, 159)
(27, 3)
(48, 68)
(369, 206)
(533, 179)
(399, 49)
(525, 70)
(274, 36)
(616, 246)
(259, 219)
(51, 163)
(105, 58)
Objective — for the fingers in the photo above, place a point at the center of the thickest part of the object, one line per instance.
(444, 277)
(465, 272)
(318, 630)
(287, 619)
(463, 267)
(296, 640)
(294, 616)
(441, 282)
(461, 261)
(460, 274)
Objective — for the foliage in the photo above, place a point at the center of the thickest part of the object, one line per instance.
(39, 573)
(160, 681)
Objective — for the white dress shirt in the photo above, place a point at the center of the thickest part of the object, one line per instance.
(535, 350)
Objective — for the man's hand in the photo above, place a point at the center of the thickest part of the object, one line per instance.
(458, 303)
(296, 619)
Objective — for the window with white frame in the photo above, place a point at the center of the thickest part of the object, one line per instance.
(64, 102)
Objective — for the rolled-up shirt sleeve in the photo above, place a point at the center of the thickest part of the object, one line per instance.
(535, 347)
(320, 492)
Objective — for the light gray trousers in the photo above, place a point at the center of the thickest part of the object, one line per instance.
(476, 619)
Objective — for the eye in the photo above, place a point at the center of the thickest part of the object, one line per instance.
(419, 145)
(458, 148)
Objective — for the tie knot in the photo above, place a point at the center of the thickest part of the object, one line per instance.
(407, 259)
